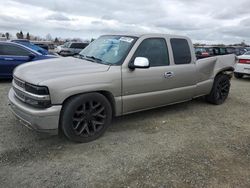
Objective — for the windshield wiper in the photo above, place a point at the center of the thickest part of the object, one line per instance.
(84, 57)
(94, 58)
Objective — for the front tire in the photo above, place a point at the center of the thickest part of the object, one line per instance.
(238, 75)
(86, 117)
(220, 90)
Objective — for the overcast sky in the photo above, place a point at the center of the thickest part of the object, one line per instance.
(212, 21)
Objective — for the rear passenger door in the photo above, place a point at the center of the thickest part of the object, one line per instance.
(10, 57)
(164, 82)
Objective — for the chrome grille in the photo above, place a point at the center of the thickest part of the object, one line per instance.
(19, 83)
(19, 94)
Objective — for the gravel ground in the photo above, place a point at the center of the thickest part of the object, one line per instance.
(192, 144)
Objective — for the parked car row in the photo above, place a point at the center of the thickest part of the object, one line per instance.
(208, 51)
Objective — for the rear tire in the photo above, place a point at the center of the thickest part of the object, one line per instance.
(238, 75)
(86, 117)
(220, 90)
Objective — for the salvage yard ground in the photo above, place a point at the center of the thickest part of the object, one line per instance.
(192, 144)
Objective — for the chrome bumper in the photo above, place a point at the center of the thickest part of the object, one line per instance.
(42, 120)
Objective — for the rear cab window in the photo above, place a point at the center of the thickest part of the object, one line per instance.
(181, 51)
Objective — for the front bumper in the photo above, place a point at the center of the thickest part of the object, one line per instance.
(242, 68)
(42, 120)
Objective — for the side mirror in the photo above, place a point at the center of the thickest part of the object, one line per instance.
(140, 63)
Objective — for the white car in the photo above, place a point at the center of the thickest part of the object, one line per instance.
(71, 48)
(243, 65)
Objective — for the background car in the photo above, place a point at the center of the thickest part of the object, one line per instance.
(201, 52)
(28, 44)
(243, 66)
(216, 50)
(71, 48)
(44, 46)
(13, 54)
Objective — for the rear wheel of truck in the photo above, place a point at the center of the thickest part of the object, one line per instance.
(220, 90)
(238, 75)
(86, 117)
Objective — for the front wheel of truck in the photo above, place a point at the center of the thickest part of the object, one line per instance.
(86, 117)
(220, 90)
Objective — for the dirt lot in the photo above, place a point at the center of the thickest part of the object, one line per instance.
(193, 144)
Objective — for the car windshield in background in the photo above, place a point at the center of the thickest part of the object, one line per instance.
(108, 49)
(200, 50)
(247, 53)
(66, 45)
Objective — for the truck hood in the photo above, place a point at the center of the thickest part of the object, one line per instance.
(39, 71)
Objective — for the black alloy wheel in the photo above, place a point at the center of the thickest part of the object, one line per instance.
(89, 118)
(86, 117)
(220, 90)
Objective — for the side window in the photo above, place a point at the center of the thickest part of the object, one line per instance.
(78, 45)
(222, 51)
(155, 49)
(12, 50)
(181, 51)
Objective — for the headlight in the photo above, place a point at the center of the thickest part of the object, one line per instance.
(38, 90)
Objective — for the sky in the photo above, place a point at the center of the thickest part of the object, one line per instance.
(209, 22)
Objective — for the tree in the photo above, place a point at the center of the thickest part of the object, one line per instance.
(21, 35)
(28, 36)
(243, 43)
(48, 37)
(3, 35)
(7, 35)
(18, 35)
(56, 40)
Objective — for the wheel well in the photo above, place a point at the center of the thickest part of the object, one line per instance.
(109, 96)
(106, 94)
(228, 71)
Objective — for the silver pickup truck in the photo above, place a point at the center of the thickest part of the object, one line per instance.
(115, 75)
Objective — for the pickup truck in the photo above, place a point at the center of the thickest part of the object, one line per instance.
(115, 75)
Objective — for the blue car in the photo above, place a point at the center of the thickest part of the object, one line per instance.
(28, 44)
(14, 54)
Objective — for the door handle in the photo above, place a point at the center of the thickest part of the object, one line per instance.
(8, 59)
(168, 74)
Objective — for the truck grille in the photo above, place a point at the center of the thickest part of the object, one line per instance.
(19, 83)
(18, 93)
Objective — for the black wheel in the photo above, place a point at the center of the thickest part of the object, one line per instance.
(220, 90)
(86, 117)
(238, 75)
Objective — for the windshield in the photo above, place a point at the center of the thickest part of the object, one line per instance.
(200, 50)
(109, 49)
(66, 45)
(247, 53)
